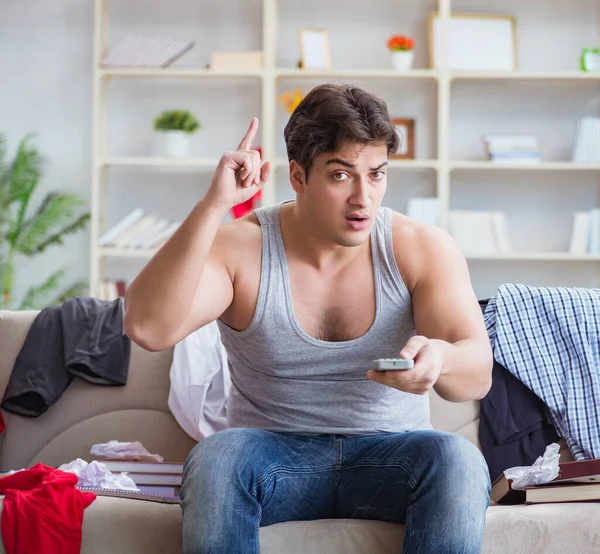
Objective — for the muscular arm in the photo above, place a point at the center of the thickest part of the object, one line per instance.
(184, 286)
(446, 311)
(189, 282)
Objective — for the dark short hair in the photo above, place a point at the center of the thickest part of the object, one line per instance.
(331, 115)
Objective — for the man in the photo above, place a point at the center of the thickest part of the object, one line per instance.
(306, 295)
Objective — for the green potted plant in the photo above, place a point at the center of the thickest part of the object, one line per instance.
(402, 53)
(27, 231)
(176, 127)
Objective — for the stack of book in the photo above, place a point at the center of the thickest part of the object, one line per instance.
(585, 233)
(576, 482)
(146, 51)
(512, 149)
(152, 478)
(139, 230)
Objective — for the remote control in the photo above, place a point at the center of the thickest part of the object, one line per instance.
(392, 364)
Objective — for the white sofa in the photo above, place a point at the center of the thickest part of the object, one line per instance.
(88, 414)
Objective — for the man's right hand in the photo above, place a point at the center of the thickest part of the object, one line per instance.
(240, 173)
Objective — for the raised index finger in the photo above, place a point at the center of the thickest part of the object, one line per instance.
(246, 142)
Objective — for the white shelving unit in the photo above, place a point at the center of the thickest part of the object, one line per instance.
(269, 79)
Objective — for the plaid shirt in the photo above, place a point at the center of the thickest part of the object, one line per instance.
(549, 338)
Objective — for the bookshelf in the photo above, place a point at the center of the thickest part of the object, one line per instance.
(441, 167)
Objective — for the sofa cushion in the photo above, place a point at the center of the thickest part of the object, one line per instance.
(461, 418)
(122, 525)
(542, 528)
(156, 430)
(328, 536)
(88, 414)
(112, 525)
(524, 529)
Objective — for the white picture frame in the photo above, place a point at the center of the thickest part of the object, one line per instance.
(475, 42)
(315, 52)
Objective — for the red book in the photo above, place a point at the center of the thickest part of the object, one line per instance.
(581, 471)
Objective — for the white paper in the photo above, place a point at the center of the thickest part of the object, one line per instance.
(96, 475)
(114, 450)
(543, 470)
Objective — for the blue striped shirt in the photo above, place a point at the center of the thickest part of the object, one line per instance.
(549, 338)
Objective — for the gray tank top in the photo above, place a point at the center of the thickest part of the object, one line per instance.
(284, 380)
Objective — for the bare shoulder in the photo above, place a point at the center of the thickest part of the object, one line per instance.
(245, 228)
(420, 248)
(239, 241)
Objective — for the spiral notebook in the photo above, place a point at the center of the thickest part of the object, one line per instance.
(135, 495)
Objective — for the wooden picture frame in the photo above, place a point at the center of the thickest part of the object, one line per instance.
(315, 52)
(475, 42)
(405, 127)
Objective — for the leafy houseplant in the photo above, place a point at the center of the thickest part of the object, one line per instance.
(177, 126)
(26, 231)
(402, 52)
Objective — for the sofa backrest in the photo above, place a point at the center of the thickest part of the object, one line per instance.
(88, 414)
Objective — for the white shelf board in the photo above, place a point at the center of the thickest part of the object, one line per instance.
(357, 73)
(210, 163)
(392, 164)
(525, 75)
(536, 257)
(541, 166)
(126, 252)
(413, 164)
(177, 72)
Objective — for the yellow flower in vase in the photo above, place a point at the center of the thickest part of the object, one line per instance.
(290, 100)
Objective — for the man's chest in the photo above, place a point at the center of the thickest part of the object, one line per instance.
(335, 307)
(330, 306)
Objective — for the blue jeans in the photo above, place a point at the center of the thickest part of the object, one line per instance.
(239, 479)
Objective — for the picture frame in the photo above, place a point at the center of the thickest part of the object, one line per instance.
(405, 128)
(315, 52)
(475, 42)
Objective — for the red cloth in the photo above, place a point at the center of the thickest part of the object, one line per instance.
(245, 207)
(2, 424)
(43, 511)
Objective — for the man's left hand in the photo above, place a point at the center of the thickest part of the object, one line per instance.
(428, 359)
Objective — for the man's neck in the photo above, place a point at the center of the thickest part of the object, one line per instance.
(303, 240)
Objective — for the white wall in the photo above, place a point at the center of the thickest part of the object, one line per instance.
(45, 57)
(45, 87)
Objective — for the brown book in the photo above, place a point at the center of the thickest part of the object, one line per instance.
(503, 493)
(563, 493)
(581, 471)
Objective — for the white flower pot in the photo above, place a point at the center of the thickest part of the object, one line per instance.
(402, 60)
(176, 144)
